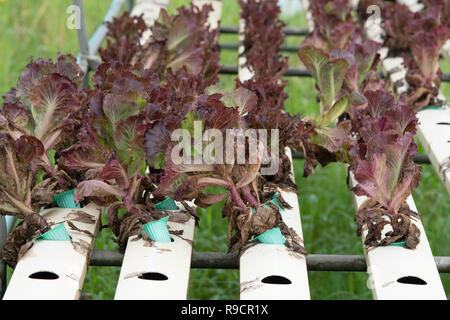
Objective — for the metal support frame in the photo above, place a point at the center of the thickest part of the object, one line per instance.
(88, 60)
(84, 44)
(287, 31)
(220, 260)
(302, 72)
(418, 158)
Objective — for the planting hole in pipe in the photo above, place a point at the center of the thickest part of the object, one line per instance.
(276, 280)
(444, 123)
(411, 280)
(44, 275)
(153, 276)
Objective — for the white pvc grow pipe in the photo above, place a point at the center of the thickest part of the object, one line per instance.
(396, 272)
(157, 271)
(55, 270)
(160, 270)
(271, 271)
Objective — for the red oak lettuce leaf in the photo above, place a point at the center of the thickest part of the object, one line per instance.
(157, 140)
(445, 9)
(383, 160)
(424, 72)
(123, 38)
(269, 93)
(222, 111)
(46, 101)
(328, 73)
(366, 59)
(379, 102)
(126, 79)
(182, 40)
(396, 19)
(383, 177)
(263, 36)
(328, 15)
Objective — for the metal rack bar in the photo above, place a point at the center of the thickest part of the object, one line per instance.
(233, 46)
(220, 260)
(418, 158)
(302, 72)
(287, 31)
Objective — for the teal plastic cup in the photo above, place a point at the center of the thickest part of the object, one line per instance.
(66, 200)
(398, 244)
(168, 204)
(271, 236)
(157, 230)
(275, 202)
(58, 233)
(434, 108)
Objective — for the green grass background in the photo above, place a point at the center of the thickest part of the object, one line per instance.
(38, 28)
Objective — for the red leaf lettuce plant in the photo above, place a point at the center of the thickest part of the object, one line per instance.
(382, 132)
(37, 116)
(419, 37)
(247, 206)
(334, 25)
(383, 166)
(428, 36)
(183, 40)
(110, 153)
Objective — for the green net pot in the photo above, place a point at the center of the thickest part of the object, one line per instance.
(271, 236)
(157, 230)
(57, 233)
(398, 244)
(66, 200)
(167, 204)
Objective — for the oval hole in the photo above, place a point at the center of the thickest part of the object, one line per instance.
(444, 123)
(411, 280)
(153, 276)
(44, 275)
(276, 280)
